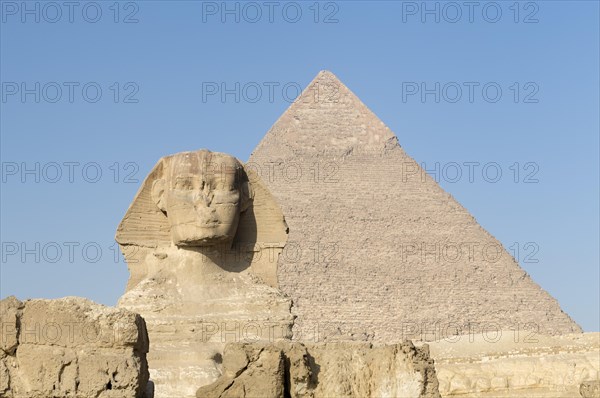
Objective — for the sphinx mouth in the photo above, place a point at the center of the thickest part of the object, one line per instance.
(200, 225)
(204, 241)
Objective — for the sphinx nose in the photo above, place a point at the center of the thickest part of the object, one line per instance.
(203, 199)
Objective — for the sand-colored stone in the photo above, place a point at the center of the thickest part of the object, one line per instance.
(259, 237)
(590, 389)
(10, 311)
(385, 253)
(201, 239)
(515, 364)
(71, 347)
(317, 370)
(250, 370)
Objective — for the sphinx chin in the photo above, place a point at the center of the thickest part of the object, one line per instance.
(186, 235)
(202, 242)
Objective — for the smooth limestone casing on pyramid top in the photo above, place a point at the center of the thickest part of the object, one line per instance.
(376, 249)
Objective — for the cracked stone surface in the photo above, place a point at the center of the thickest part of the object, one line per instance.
(71, 347)
(515, 364)
(322, 370)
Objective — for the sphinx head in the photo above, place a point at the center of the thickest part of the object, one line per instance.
(202, 193)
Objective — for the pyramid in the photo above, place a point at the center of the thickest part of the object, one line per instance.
(376, 249)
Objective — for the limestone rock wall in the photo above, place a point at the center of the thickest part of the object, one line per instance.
(348, 369)
(71, 347)
(519, 365)
(590, 389)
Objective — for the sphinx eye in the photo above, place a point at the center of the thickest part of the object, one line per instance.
(184, 183)
(226, 197)
(225, 185)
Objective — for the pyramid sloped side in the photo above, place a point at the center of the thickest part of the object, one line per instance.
(376, 248)
(326, 117)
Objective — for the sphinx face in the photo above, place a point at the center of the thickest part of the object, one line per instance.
(201, 196)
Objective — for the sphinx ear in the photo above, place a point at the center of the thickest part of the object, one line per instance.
(158, 194)
(246, 196)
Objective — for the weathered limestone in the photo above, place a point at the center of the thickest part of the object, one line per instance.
(348, 369)
(201, 240)
(519, 364)
(590, 389)
(71, 347)
(249, 370)
(385, 254)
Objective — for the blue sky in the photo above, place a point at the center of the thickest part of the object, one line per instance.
(110, 87)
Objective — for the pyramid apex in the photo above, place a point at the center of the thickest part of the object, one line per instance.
(326, 73)
(328, 116)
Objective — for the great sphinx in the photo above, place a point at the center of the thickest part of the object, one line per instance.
(201, 240)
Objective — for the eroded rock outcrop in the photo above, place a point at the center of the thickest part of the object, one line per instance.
(71, 347)
(349, 369)
(590, 389)
(517, 364)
